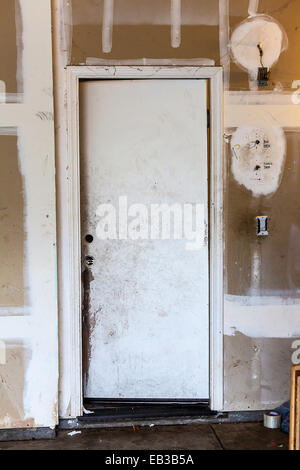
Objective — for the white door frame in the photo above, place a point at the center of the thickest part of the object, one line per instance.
(215, 77)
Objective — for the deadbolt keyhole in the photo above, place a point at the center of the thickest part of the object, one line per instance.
(89, 260)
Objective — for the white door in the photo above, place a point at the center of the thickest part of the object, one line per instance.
(145, 300)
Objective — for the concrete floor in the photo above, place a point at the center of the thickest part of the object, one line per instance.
(241, 436)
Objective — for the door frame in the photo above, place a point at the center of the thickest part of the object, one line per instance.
(72, 246)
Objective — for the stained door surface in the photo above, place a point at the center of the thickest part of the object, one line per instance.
(145, 301)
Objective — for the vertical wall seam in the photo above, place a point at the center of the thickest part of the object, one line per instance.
(175, 23)
(253, 7)
(107, 25)
(224, 40)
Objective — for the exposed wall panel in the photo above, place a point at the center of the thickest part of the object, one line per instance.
(12, 290)
(142, 29)
(10, 53)
(256, 372)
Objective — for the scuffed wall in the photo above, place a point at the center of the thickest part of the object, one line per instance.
(261, 302)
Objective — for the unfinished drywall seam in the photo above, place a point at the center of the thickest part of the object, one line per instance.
(152, 62)
(2, 91)
(147, 12)
(19, 38)
(255, 269)
(107, 26)
(254, 318)
(253, 7)
(175, 23)
(66, 28)
(224, 40)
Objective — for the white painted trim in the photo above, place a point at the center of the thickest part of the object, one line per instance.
(224, 40)
(216, 243)
(214, 75)
(74, 254)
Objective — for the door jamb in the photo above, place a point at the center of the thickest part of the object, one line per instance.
(215, 76)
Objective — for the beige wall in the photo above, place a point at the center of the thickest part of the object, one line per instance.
(13, 292)
(8, 36)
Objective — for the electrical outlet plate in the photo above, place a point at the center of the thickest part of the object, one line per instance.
(263, 76)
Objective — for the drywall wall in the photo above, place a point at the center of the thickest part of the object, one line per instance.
(28, 300)
(265, 266)
(10, 56)
(261, 319)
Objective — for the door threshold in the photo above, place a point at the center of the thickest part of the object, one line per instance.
(114, 409)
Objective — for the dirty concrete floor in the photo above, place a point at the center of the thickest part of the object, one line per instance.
(241, 436)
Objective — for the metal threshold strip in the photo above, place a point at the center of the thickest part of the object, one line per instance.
(114, 409)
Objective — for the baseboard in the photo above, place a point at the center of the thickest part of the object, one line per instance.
(26, 434)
